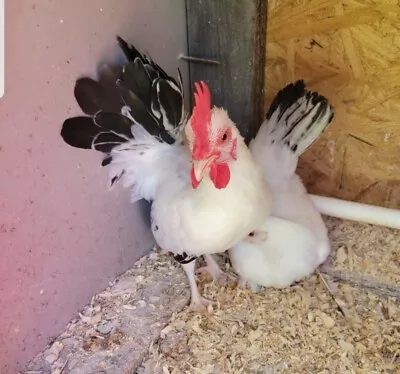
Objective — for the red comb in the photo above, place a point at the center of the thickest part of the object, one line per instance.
(201, 118)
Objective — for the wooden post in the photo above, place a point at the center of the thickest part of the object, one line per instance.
(233, 33)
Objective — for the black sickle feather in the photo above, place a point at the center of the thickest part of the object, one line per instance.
(142, 115)
(122, 98)
(138, 110)
(145, 81)
(301, 116)
(92, 97)
(151, 72)
(79, 132)
(82, 132)
(180, 80)
(106, 141)
(137, 80)
(315, 99)
(155, 103)
(131, 53)
(287, 97)
(170, 100)
(114, 122)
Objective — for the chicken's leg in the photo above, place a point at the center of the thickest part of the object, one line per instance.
(197, 302)
(211, 268)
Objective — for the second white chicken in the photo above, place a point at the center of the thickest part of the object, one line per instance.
(293, 242)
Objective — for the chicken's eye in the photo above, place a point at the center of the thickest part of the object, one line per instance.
(225, 136)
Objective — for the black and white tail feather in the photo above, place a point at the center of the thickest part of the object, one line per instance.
(295, 119)
(135, 117)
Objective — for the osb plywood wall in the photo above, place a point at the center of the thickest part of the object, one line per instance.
(350, 52)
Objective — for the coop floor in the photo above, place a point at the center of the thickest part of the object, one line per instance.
(140, 323)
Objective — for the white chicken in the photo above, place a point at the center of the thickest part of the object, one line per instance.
(206, 195)
(293, 241)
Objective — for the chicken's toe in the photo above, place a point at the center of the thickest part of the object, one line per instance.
(199, 305)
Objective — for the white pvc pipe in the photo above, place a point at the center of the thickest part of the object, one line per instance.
(350, 210)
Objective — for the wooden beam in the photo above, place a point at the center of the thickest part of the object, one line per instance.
(233, 33)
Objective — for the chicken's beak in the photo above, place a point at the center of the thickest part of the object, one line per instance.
(200, 167)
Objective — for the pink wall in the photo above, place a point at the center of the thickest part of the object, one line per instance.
(63, 236)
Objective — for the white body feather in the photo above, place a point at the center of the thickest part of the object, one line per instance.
(290, 252)
(297, 238)
(196, 221)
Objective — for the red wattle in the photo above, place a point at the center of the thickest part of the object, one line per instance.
(220, 175)
(195, 182)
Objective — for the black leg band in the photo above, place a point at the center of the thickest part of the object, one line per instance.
(184, 258)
